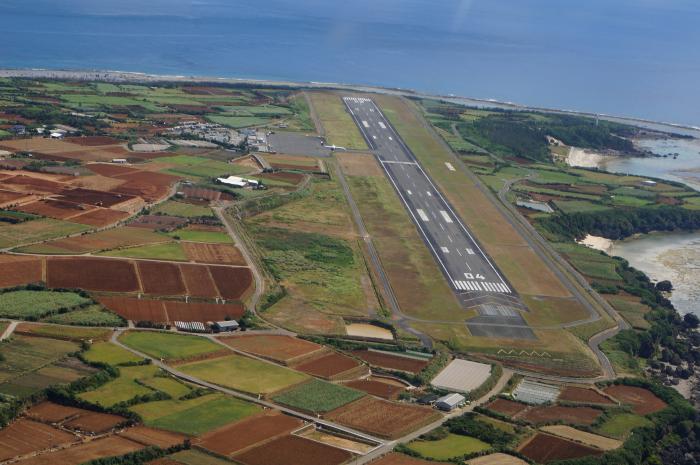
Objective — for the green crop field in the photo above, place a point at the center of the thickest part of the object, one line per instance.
(450, 447)
(36, 304)
(577, 206)
(195, 457)
(110, 354)
(74, 333)
(93, 315)
(185, 210)
(108, 239)
(195, 416)
(621, 425)
(199, 167)
(202, 236)
(244, 374)
(171, 251)
(317, 396)
(168, 385)
(123, 388)
(168, 346)
(237, 122)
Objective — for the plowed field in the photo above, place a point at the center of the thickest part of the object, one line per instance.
(377, 388)
(213, 253)
(158, 222)
(94, 197)
(93, 141)
(100, 217)
(53, 209)
(282, 349)
(293, 450)
(52, 413)
(161, 278)
(136, 309)
(329, 366)
(506, 407)
(583, 395)
(383, 418)
(231, 282)
(92, 274)
(394, 458)
(244, 434)
(392, 362)
(94, 422)
(204, 312)
(104, 447)
(643, 402)
(198, 281)
(153, 437)
(25, 436)
(551, 414)
(15, 270)
(544, 448)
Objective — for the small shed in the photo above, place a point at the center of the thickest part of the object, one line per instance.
(225, 326)
(428, 399)
(450, 402)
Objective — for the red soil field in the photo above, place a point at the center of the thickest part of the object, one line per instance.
(93, 197)
(393, 458)
(92, 274)
(52, 413)
(213, 253)
(100, 217)
(203, 312)
(198, 281)
(383, 418)
(201, 193)
(53, 209)
(94, 422)
(104, 447)
(543, 448)
(583, 395)
(238, 436)
(643, 402)
(15, 270)
(391, 362)
(506, 407)
(161, 278)
(29, 183)
(329, 366)
(231, 282)
(25, 436)
(554, 413)
(377, 388)
(93, 141)
(158, 222)
(9, 196)
(153, 437)
(110, 170)
(136, 309)
(282, 349)
(293, 450)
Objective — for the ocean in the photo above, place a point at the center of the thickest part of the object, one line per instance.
(638, 58)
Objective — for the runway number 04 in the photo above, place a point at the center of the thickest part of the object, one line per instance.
(471, 276)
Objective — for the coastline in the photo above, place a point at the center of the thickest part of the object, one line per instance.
(133, 76)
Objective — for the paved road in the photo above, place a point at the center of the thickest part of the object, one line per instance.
(468, 269)
(9, 330)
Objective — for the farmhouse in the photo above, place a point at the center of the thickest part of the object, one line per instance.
(450, 402)
(236, 181)
(225, 326)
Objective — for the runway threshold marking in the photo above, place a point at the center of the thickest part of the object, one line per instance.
(422, 215)
(365, 124)
(382, 125)
(445, 216)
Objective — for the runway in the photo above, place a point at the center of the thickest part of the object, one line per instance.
(469, 271)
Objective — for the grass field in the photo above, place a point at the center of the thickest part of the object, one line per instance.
(36, 304)
(238, 122)
(195, 457)
(631, 311)
(13, 235)
(317, 396)
(193, 168)
(103, 240)
(339, 127)
(170, 251)
(450, 447)
(168, 385)
(123, 388)
(25, 354)
(110, 354)
(419, 285)
(185, 210)
(167, 345)
(195, 416)
(244, 374)
(621, 425)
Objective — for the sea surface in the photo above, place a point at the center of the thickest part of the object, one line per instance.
(637, 58)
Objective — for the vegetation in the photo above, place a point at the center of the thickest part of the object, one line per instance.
(94, 315)
(32, 305)
(110, 354)
(452, 446)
